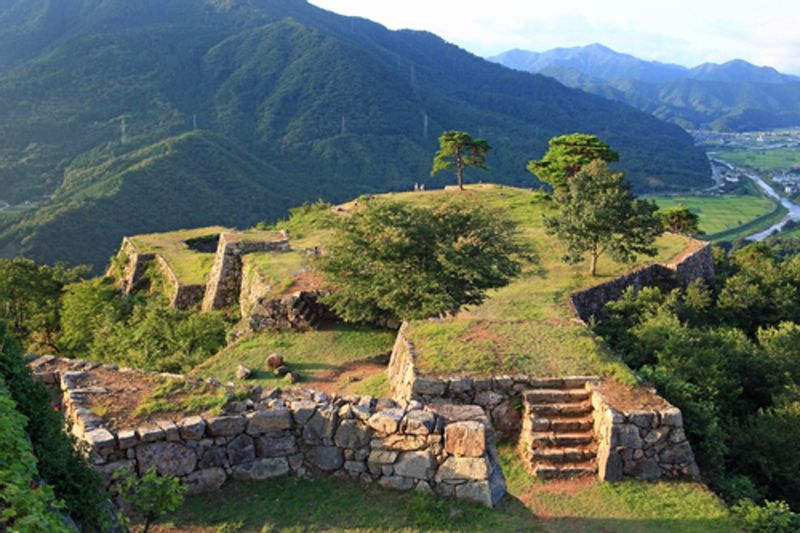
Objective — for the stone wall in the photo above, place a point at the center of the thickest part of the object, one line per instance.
(134, 266)
(644, 443)
(134, 269)
(662, 443)
(442, 448)
(180, 296)
(254, 286)
(299, 310)
(499, 396)
(696, 265)
(225, 280)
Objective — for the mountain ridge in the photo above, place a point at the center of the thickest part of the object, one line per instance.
(735, 95)
(333, 106)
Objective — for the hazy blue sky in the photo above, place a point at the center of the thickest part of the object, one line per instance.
(687, 32)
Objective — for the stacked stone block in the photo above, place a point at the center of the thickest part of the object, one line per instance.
(644, 444)
(446, 449)
(299, 310)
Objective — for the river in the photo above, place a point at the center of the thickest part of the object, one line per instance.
(794, 209)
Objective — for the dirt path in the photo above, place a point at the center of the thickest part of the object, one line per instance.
(345, 378)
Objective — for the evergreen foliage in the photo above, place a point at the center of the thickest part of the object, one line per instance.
(29, 299)
(680, 220)
(24, 506)
(151, 496)
(567, 155)
(457, 151)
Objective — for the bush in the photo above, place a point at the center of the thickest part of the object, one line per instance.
(60, 462)
(772, 517)
(151, 496)
(391, 260)
(23, 506)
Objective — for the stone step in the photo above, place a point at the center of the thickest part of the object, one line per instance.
(563, 455)
(562, 410)
(561, 440)
(549, 471)
(559, 424)
(539, 396)
(572, 382)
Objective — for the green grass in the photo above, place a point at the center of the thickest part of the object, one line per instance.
(529, 328)
(327, 504)
(176, 395)
(529, 347)
(754, 226)
(190, 266)
(720, 213)
(774, 159)
(311, 353)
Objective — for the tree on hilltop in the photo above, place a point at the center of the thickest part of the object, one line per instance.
(598, 214)
(393, 261)
(680, 220)
(567, 155)
(458, 150)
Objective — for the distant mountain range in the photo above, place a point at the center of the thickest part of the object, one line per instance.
(735, 95)
(123, 117)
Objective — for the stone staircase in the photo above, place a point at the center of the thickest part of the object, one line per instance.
(557, 438)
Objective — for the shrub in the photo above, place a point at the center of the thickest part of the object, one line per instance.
(151, 496)
(772, 517)
(391, 260)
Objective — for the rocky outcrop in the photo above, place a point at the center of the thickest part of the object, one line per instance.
(448, 449)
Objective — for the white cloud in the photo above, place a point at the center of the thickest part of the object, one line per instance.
(680, 31)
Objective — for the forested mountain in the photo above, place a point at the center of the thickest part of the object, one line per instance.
(735, 95)
(234, 110)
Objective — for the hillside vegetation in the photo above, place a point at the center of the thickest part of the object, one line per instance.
(291, 103)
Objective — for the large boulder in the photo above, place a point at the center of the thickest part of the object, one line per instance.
(261, 469)
(168, 458)
(465, 439)
(276, 446)
(463, 468)
(207, 480)
(269, 421)
(352, 434)
(417, 465)
(326, 458)
(221, 426)
(241, 449)
(274, 361)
